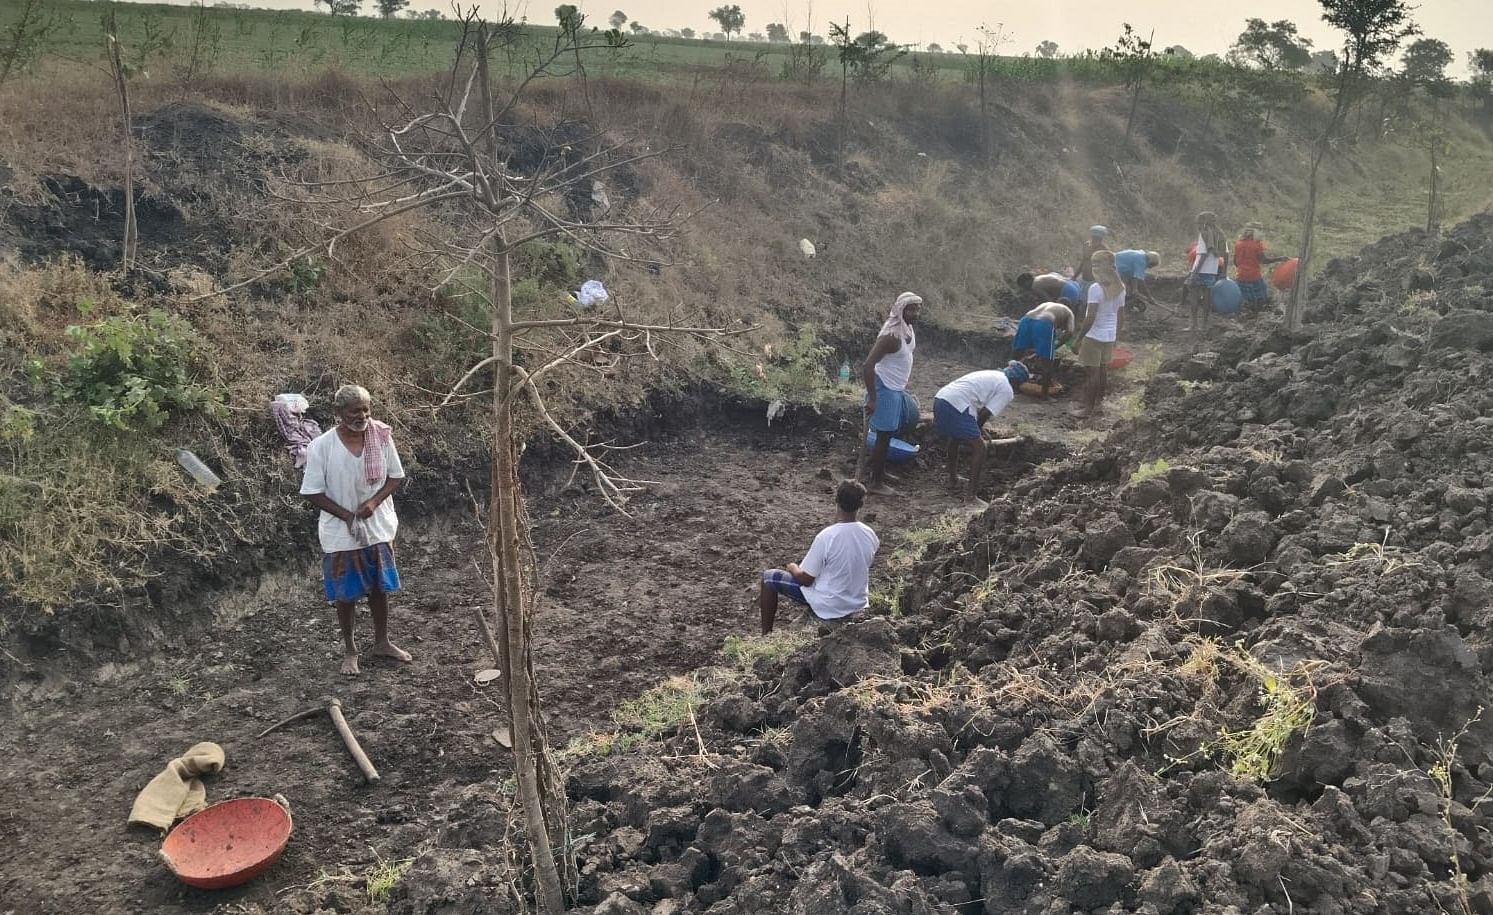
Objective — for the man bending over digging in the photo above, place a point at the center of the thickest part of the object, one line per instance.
(960, 410)
(351, 471)
(834, 580)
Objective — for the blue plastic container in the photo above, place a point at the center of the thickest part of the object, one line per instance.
(900, 452)
(1227, 297)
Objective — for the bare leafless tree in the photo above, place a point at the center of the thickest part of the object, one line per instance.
(490, 183)
(120, 72)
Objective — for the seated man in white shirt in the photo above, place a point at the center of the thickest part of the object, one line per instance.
(834, 580)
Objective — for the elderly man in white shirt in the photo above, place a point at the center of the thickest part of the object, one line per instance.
(352, 470)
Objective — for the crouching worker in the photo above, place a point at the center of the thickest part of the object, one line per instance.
(834, 580)
(1038, 336)
(960, 410)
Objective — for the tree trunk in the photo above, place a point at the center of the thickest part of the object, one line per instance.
(1295, 305)
(1134, 104)
(844, 107)
(121, 87)
(509, 545)
(1432, 222)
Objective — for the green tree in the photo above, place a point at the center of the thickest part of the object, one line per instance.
(1133, 56)
(1324, 62)
(618, 19)
(340, 7)
(1047, 50)
(22, 41)
(1425, 61)
(1481, 64)
(1271, 46)
(390, 8)
(687, 33)
(777, 33)
(1372, 29)
(730, 18)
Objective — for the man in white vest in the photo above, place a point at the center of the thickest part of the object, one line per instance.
(886, 371)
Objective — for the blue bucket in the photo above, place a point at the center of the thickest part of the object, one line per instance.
(899, 452)
(1227, 296)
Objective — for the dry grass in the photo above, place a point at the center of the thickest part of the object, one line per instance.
(1176, 584)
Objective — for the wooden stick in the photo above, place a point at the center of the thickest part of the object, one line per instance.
(296, 717)
(333, 709)
(862, 447)
(359, 757)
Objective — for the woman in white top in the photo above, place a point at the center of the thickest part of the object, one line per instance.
(1207, 268)
(1101, 328)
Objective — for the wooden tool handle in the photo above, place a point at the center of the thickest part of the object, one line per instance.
(359, 757)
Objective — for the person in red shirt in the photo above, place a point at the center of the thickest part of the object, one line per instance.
(1249, 255)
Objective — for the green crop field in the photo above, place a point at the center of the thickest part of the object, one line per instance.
(160, 38)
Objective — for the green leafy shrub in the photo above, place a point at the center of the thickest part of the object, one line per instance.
(794, 373)
(137, 371)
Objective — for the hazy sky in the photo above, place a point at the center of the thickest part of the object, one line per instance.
(1073, 24)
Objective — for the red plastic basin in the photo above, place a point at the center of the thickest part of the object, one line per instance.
(1284, 275)
(1121, 357)
(228, 843)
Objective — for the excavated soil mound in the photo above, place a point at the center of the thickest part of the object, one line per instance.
(1248, 678)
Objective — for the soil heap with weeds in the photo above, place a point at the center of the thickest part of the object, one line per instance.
(1250, 682)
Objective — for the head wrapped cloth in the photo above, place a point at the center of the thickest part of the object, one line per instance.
(895, 323)
(1212, 235)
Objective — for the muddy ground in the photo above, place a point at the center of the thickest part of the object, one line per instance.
(628, 602)
(1234, 659)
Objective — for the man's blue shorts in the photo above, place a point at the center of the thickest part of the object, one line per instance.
(895, 410)
(785, 584)
(1205, 280)
(1036, 335)
(954, 422)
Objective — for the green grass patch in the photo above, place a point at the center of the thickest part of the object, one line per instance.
(746, 651)
(660, 709)
(1155, 468)
(667, 705)
(946, 527)
(182, 41)
(384, 876)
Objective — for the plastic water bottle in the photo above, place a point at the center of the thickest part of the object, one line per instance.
(845, 372)
(199, 471)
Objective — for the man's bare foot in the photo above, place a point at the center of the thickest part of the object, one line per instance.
(350, 665)
(881, 489)
(388, 649)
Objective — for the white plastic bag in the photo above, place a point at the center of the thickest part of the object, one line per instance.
(591, 294)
